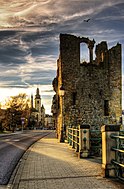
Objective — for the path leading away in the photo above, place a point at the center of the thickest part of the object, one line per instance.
(52, 165)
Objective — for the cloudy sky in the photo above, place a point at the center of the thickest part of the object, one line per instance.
(29, 38)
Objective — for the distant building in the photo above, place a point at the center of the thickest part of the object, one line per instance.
(49, 124)
(37, 111)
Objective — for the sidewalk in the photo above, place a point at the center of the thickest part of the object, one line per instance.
(52, 165)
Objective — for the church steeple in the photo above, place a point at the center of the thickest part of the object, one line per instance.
(37, 101)
(37, 94)
(37, 111)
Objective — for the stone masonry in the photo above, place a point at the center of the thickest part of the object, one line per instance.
(92, 89)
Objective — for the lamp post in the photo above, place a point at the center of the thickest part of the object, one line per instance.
(22, 119)
(62, 93)
(13, 122)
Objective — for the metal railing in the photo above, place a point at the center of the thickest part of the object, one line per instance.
(95, 142)
(118, 162)
(74, 138)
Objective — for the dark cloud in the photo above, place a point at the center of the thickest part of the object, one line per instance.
(10, 86)
(44, 50)
(111, 17)
(10, 81)
(11, 54)
(7, 34)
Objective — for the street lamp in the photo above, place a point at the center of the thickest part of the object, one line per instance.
(22, 119)
(62, 93)
(13, 122)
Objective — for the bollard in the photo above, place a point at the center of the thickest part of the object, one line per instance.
(84, 141)
(107, 144)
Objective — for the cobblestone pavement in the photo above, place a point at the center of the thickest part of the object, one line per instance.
(52, 165)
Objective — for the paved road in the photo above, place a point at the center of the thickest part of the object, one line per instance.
(12, 148)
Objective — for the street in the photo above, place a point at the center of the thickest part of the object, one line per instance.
(12, 148)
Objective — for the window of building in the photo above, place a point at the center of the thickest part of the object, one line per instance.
(38, 102)
(102, 56)
(90, 96)
(106, 108)
(84, 53)
(74, 95)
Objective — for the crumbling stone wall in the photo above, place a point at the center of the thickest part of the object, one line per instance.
(93, 89)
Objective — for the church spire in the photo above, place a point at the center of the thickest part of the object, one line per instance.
(37, 96)
(37, 101)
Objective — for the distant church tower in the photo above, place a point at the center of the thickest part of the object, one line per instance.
(32, 101)
(38, 101)
(37, 111)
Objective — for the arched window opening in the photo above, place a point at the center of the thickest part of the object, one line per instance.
(84, 53)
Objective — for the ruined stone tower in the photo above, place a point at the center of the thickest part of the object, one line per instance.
(92, 89)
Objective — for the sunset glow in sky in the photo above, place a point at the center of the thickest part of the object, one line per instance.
(29, 39)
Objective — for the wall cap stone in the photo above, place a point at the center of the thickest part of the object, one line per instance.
(110, 127)
(84, 126)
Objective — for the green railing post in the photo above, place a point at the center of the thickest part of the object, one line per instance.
(84, 147)
(107, 144)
